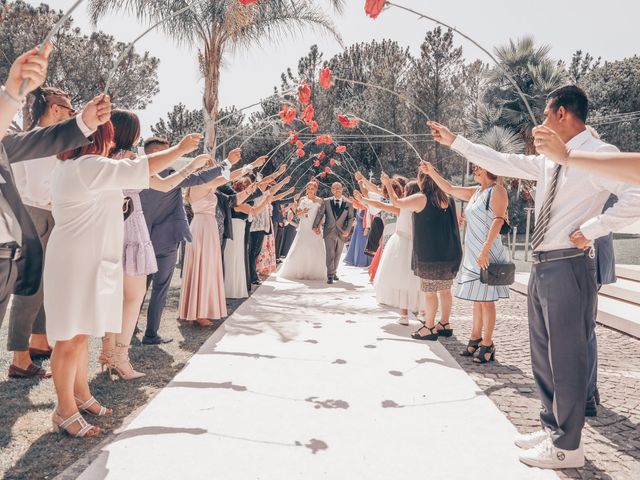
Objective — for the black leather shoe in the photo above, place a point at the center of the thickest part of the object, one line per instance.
(157, 340)
(257, 282)
(596, 396)
(335, 277)
(330, 280)
(591, 409)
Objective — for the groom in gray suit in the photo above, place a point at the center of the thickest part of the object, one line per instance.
(336, 214)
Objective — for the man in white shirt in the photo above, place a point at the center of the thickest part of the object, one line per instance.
(27, 337)
(562, 288)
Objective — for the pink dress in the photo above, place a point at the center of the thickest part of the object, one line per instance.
(202, 295)
(266, 262)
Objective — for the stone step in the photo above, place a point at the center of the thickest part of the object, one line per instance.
(630, 272)
(613, 312)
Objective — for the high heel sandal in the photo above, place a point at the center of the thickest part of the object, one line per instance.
(444, 331)
(86, 429)
(483, 351)
(85, 407)
(473, 344)
(433, 335)
(122, 365)
(106, 354)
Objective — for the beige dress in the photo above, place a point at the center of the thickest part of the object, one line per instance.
(83, 267)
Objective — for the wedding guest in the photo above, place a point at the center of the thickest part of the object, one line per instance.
(236, 254)
(138, 256)
(202, 297)
(562, 287)
(20, 246)
(437, 251)
(260, 225)
(485, 213)
(167, 223)
(621, 167)
(26, 336)
(290, 228)
(355, 253)
(278, 219)
(83, 272)
(395, 283)
(266, 263)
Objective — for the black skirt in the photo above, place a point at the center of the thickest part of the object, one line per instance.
(375, 235)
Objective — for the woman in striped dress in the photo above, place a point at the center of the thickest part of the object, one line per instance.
(485, 214)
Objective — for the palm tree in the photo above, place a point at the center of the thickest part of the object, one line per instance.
(535, 72)
(220, 27)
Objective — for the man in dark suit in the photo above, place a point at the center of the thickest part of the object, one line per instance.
(168, 226)
(337, 215)
(277, 219)
(20, 248)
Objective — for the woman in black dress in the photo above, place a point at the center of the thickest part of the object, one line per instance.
(290, 229)
(437, 251)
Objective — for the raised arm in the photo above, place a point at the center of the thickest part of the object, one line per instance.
(372, 187)
(30, 66)
(161, 160)
(462, 193)
(280, 196)
(528, 167)
(166, 184)
(376, 204)
(621, 167)
(414, 203)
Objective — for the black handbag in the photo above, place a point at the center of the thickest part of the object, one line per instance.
(506, 225)
(498, 274)
(127, 207)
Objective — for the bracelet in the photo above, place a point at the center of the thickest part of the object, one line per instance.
(10, 98)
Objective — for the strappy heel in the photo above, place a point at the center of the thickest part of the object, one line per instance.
(86, 429)
(85, 407)
(106, 354)
(433, 333)
(483, 352)
(473, 344)
(122, 365)
(444, 331)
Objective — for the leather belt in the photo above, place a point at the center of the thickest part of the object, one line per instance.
(564, 254)
(10, 251)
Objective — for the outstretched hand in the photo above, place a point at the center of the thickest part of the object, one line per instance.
(441, 134)
(549, 144)
(426, 167)
(201, 161)
(30, 66)
(234, 156)
(98, 112)
(190, 143)
(260, 161)
(359, 176)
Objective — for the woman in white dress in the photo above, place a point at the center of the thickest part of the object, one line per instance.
(306, 259)
(83, 270)
(395, 283)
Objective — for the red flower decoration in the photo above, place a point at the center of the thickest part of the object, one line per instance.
(288, 114)
(300, 153)
(325, 78)
(313, 127)
(300, 145)
(294, 136)
(373, 8)
(248, 2)
(332, 162)
(321, 156)
(341, 149)
(324, 139)
(304, 93)
(347, 122)
(327, 170)
(323, 175)
(316, 163)
(308, 114)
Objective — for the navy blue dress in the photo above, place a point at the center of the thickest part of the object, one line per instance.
(355, 255)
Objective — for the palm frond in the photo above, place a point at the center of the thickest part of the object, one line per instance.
(502, 140)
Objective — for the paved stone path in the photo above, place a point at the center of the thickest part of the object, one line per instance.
(309, 381)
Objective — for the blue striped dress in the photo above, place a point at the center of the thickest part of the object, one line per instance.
(479, 219)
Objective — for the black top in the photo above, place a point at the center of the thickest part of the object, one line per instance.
(437, 251)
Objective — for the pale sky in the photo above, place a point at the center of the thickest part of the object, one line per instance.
(605, 29)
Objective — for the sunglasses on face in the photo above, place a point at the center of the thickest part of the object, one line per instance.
(71, 110)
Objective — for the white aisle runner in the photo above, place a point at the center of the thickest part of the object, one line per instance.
(310, 381)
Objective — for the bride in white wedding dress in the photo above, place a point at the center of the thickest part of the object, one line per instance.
(306, 258)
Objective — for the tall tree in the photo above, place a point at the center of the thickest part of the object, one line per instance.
(79, 64)
(218, 27)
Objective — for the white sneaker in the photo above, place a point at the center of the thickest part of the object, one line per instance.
(403, 321)
(547, 455)
(530, 440)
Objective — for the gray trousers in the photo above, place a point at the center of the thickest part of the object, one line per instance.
(27, 313)
(8, 277)
(562, 303)
(333, 245)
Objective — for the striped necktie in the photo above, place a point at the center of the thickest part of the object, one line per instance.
(542, 222)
